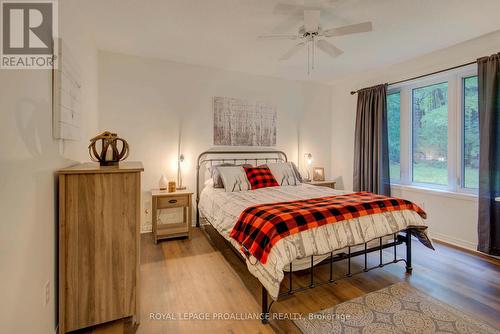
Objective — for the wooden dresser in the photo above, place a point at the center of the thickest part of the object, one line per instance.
(99, 226)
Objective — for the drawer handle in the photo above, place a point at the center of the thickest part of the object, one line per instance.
(172, 201)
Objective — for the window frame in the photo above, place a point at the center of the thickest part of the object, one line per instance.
(454, 78)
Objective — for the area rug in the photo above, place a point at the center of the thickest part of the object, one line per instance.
(398, 308)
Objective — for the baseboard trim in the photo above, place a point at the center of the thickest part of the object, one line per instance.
(454, 241)
(489, 258)
(146, 228)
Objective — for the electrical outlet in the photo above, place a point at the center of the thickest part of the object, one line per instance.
(47, 293)
(147, 208)
(147, 212)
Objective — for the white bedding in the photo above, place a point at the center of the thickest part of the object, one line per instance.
(223, 209)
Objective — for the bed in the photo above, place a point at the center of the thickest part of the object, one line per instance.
(322, 245)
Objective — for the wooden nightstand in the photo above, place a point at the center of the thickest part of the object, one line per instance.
(326, 183)
(161, 199)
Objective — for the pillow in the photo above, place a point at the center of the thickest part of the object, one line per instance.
(284, 173)
(260, 177)
(234, 178)
(296, 171)
(215, 173)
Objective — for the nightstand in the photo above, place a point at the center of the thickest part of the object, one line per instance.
(161, 199)
(326, 183)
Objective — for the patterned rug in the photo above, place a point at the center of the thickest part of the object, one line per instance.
(398, 308)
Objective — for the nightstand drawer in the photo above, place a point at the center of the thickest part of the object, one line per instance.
(172, 202)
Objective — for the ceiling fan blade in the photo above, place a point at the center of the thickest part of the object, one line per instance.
(311, 20)
(278, 37)
(292, 51)
(329, 48)
(350, 29)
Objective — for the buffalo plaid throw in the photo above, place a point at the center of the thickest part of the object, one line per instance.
(261, 226)
(260, 177)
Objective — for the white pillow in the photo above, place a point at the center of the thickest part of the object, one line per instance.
(215, 174)
(284, 173)
(234, 178)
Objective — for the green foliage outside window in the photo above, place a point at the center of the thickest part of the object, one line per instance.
(430, 134)
(470, 133)
(393, 129)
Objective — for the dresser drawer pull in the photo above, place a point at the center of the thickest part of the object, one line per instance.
(172, 201)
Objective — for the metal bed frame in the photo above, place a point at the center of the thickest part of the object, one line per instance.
(276, 156)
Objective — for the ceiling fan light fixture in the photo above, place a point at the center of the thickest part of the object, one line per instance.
(311, 34)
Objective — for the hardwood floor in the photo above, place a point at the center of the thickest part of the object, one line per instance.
(202, 275)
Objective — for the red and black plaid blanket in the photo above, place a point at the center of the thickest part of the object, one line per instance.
(261, 226)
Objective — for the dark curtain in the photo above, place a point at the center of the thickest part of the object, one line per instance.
(371, 148)
(489, 154)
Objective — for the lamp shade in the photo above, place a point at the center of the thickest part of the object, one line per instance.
(308, 157)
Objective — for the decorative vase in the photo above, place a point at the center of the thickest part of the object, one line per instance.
(163, 183)
(112, 149)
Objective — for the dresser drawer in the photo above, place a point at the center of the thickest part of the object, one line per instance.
(172, 202)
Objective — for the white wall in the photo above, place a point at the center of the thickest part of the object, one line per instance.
(149, 101)
(74, 23)
(451, 218)
(29, 157)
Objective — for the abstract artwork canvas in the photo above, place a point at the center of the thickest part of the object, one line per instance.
(239, 122)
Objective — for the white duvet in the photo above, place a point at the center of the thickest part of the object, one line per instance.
(222, 210)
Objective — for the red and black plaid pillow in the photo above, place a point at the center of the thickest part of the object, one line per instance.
(260, 177)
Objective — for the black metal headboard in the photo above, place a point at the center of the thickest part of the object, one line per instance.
(218, 157)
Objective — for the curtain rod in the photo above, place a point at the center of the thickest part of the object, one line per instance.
(425, 75)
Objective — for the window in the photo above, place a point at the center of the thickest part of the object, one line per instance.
(470, 148)
(393, 126)
(430, 134)
(433, 129)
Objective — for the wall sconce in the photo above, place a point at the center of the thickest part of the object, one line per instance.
(180, 164)
(308, 158)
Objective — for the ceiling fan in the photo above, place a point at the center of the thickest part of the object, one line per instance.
(312, 36)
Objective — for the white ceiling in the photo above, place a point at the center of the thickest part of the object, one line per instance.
(222, 33)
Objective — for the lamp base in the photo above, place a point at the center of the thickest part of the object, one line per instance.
(180, 188)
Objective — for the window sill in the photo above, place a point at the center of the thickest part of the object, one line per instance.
(436, 192)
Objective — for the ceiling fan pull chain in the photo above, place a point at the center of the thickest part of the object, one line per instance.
(313, 53)
(308, 59)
